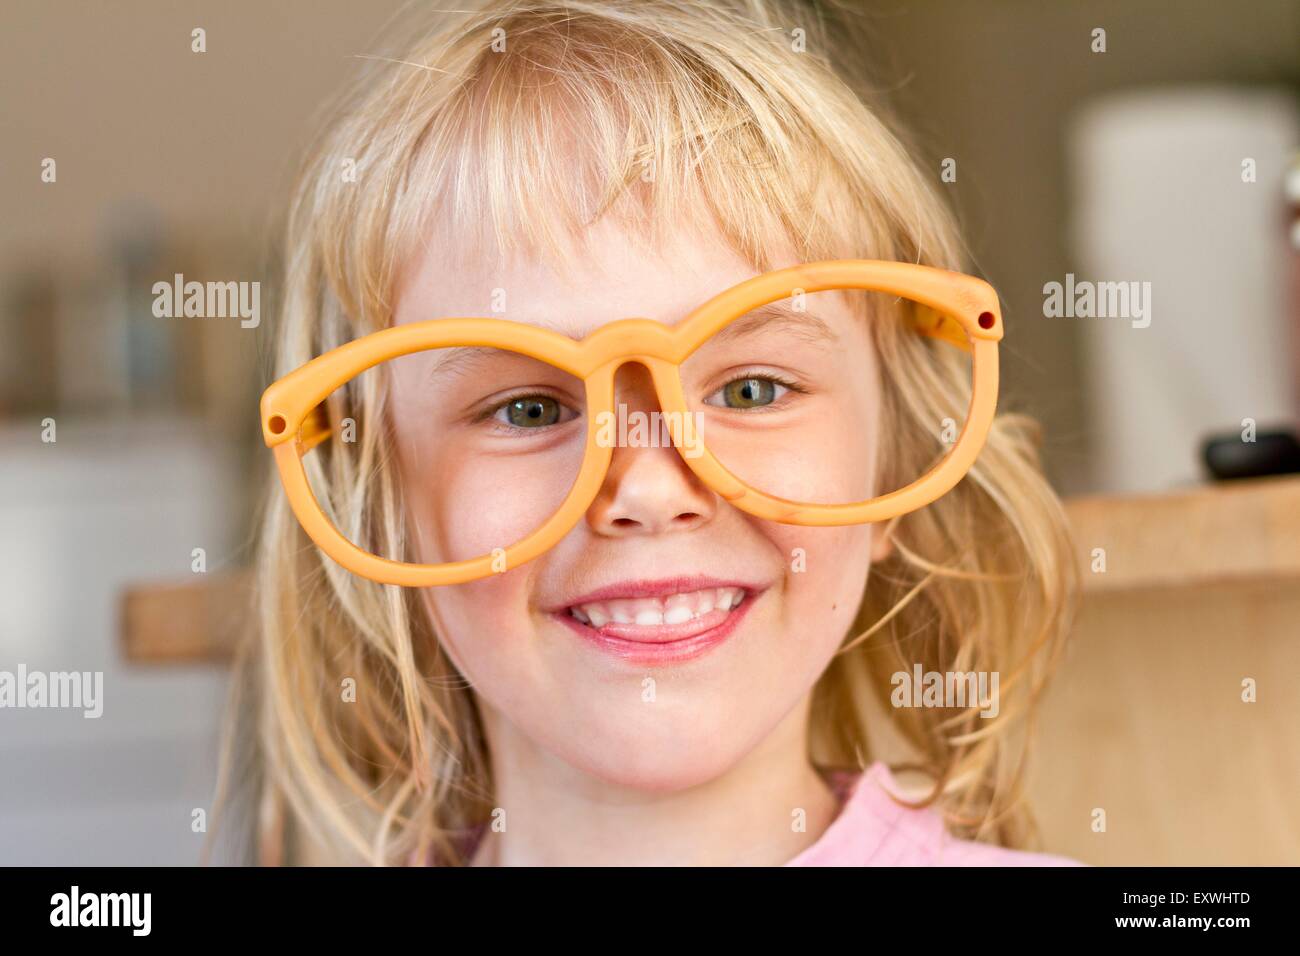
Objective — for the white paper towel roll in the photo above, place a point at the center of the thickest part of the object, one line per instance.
(1158, 196)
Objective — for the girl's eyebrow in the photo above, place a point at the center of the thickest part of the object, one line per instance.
(779, 315)
(775, 316)
(461, 359)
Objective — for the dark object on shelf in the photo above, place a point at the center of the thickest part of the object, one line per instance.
(1271, 453)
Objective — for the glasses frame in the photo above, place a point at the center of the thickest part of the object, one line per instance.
(960, 309)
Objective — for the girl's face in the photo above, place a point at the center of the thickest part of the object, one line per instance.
(669, 633)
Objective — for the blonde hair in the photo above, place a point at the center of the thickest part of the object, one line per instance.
(514, 125)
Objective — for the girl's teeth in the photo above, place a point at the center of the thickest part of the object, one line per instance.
(678, 615)
(654, 612)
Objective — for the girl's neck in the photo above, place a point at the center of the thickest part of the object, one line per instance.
(763, 811)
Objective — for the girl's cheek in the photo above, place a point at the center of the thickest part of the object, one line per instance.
(481, 621)
(476, 506)
(826, 568)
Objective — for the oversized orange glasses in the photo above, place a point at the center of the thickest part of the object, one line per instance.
(504, 432)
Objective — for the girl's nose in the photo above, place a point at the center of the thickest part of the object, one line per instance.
(649, 489)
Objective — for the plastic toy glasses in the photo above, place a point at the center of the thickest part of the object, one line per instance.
(502, 434)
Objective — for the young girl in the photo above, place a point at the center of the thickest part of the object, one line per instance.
(675, 680)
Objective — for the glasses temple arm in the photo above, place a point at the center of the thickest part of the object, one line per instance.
(926, 321)
(315, 428)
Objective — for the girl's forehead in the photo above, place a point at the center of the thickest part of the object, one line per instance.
(612, 276)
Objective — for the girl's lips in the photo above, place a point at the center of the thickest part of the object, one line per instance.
(716, 607)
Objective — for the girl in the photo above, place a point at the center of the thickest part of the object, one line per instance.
(675, 680)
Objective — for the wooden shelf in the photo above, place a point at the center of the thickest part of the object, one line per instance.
(198, 620)
(1234, 532)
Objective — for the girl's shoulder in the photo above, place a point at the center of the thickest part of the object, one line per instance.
(875, 829)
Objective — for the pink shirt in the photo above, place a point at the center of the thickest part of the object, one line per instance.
(873, 829)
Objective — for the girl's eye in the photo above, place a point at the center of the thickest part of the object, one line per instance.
(750, 392)
(530, 411)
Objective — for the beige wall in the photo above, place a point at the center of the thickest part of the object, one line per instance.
(114, 94)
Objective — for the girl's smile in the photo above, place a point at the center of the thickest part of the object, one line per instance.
(660, 622)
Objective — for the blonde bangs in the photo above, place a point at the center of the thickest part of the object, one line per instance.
(520, 125)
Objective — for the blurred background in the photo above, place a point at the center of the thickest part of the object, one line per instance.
(1156, 152)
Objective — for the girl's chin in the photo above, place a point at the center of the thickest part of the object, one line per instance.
(664, 766)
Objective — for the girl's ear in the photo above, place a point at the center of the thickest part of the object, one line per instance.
(882, 542)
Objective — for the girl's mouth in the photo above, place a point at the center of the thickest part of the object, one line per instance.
(656, 622)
